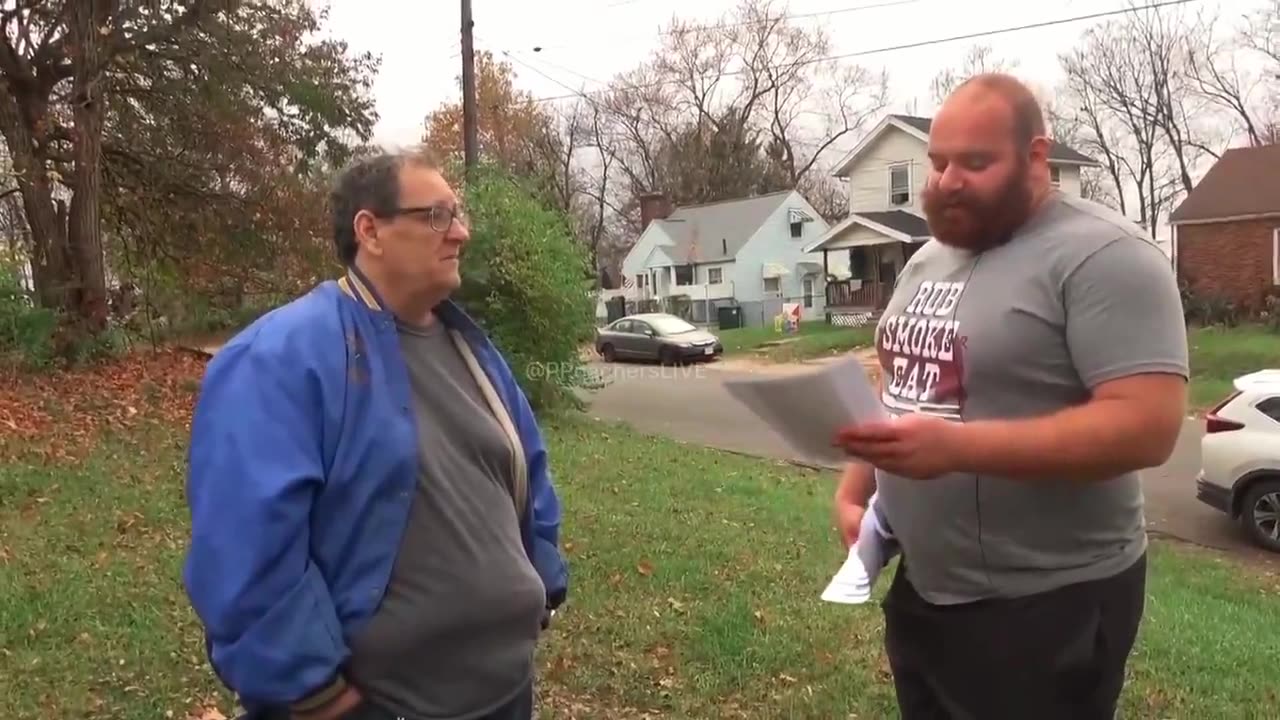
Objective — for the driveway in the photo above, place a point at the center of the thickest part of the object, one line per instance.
(691, 404)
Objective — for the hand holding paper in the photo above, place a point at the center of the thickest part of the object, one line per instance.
(809, 409)
(915, 446)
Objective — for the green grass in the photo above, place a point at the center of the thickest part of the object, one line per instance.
(814, 339)
(1219, 355)
(696, 577)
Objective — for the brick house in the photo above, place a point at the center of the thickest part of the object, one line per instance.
(1226, 233)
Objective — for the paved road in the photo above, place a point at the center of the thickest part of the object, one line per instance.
(690, 403)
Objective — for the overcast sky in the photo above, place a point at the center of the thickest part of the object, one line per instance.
(418, 41)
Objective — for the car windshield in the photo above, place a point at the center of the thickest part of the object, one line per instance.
(671, 326)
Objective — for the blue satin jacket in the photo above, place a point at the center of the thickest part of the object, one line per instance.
(303, 461)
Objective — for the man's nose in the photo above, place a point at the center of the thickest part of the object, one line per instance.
(458, 232)
(950, 180)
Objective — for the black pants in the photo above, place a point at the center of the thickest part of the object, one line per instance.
(519, 708)
(1055, 655)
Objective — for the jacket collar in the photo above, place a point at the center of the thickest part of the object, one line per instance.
(358, 286)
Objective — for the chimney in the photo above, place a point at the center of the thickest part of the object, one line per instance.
(654, 206)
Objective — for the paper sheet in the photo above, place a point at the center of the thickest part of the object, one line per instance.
(853, 582)
(807, 409)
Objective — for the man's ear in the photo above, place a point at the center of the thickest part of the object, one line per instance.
(1040, 149)
(366, 232)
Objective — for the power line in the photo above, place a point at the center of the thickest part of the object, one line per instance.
(548, 63)
(892, 48)
(746, 23)
(584, 96)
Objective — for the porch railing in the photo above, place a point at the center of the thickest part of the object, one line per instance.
(842, 293)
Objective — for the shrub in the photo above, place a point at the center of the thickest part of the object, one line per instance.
(523, 280)
(27, 332)
(1271, 311)
(1208, 309)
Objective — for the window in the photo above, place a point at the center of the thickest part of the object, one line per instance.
(715, 276)
(797, 229)
(684, 275)
(671, 325)
(1275, 256)
(900, 185)
(641, 280)
(772, 285)
(1055, 175)
(1270, 407)
(808, 292)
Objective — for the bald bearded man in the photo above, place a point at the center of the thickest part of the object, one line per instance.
(1034, 359)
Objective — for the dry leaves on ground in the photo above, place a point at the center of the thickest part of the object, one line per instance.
(59, 415)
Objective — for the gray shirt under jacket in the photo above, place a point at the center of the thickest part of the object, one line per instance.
(455, 635)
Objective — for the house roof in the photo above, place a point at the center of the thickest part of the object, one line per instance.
(1243, 182)
(894, 225)
(908, 224)
(698, 230)
(919, 127)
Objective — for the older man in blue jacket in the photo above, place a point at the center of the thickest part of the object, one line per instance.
(374, 528)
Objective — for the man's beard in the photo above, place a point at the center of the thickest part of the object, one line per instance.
(971, 223)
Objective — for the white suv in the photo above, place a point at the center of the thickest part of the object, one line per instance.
(1240, 457)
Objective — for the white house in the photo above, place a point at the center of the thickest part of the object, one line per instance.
(885, 173)
(748, 252)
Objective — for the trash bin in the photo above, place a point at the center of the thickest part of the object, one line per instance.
(729, 317)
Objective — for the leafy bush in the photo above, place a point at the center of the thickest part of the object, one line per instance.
(523, 280)
(1206, 309)
(27, 332)
(1271, 311)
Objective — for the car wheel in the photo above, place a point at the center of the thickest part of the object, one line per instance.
(1260, 513)
(606, 352)
(667, 356)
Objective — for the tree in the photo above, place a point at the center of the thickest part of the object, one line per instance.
(750, 90)
(1156, 95)
(980, 59)
(1129, 98)
(1215, 73)
(513, 131)
(524, 282)
(170, 122)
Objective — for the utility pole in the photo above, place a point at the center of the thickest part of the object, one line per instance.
(469, 139)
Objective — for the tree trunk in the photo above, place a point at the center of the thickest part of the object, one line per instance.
(84, 227)
(23, 120)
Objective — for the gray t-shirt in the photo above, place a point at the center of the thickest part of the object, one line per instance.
(1078, 297)
(454, 636)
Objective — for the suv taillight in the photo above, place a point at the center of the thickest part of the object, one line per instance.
(1216, 424)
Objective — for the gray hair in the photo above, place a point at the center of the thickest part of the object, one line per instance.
(370, 182)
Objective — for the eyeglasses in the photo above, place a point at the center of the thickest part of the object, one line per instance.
(440, 217)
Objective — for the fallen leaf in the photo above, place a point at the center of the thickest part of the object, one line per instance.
(645, 568)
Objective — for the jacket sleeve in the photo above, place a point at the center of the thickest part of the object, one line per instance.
(255, 464)
(547, 558)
